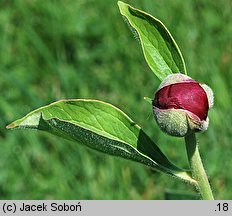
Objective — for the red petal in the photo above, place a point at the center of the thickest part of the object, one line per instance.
(187, 95)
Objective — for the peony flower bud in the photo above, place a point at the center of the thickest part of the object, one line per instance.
(181, 105)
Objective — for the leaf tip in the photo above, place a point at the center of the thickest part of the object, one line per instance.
(149, 100)
(11, 126)
(120, 3)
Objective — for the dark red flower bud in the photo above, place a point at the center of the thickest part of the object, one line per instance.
(181, 105)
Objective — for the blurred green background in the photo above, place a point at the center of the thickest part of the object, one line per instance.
(57, 49)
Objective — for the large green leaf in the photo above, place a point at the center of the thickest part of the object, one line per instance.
(160, 50)
(102, 127)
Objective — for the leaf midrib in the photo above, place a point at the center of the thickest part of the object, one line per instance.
(91, 127)
(145, 36)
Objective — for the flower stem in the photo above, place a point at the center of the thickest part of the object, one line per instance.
(197, 168)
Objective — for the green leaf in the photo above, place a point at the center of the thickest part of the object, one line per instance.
(102, 127)
(160, 50)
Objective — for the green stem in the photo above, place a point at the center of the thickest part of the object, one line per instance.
(197, 168)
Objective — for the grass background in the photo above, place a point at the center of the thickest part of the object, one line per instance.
(57, 49)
